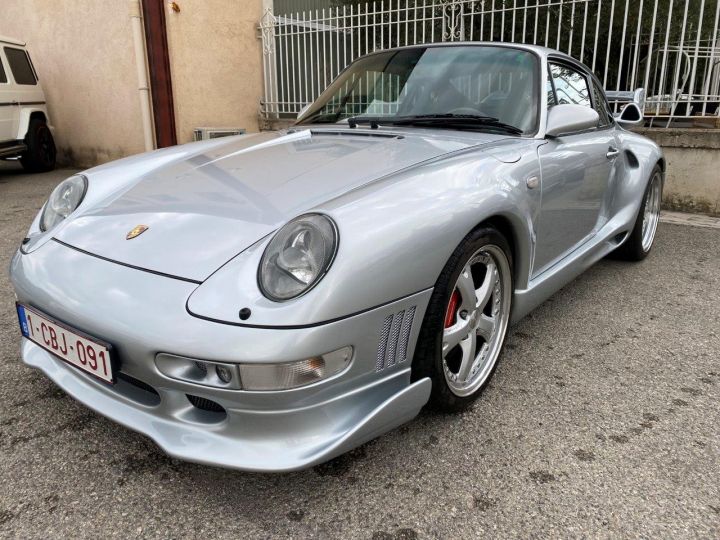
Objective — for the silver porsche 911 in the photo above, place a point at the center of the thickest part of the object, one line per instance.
(267, 302)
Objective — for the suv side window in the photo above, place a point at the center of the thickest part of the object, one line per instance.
(3, 77)
(601, 106)
(571, 86)
(20, 66)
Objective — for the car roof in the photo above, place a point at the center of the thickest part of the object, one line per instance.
(11, 41)
(537, 49)
(542, 51)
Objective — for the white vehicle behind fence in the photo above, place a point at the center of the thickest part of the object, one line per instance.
(25, 131)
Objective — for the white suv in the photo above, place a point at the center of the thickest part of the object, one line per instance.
(25, 130)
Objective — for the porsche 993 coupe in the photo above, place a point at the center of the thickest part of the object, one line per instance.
(269, 301)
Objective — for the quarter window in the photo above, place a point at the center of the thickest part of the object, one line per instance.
(601, 106)
(20, 66)
(3, 77)
(550, 92)
(571, 87)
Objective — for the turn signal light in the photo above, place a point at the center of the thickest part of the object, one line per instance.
(258, 377)
(294, 374)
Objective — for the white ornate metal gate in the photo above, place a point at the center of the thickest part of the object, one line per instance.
(669, 47)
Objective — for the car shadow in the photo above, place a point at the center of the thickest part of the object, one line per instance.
(9, 169)
(13, 172)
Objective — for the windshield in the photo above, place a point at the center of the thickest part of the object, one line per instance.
(497, 83)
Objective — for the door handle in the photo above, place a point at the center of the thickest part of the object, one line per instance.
(612, 153)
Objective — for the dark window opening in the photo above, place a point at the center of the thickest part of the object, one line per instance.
(20, 66)
(601, 106)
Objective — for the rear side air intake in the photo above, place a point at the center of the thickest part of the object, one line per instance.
(394, 339)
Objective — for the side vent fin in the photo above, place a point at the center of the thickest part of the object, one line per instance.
(392, 342)
(394, 339)
(405, 335)
(382, 347)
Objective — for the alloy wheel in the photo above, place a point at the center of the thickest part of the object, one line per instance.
(476, 320)
(652, 213)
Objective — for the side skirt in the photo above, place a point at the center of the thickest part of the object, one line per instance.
(564, 271)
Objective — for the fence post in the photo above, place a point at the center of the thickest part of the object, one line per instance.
(269, 103)
(452, 17)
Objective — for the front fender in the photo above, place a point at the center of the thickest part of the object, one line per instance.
(396, 236)
(108, 181)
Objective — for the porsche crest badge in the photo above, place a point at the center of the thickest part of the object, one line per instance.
(137, 231)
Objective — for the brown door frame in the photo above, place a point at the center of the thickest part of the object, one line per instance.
(159, 67)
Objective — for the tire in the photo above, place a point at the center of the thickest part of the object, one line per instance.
(639, 242)
(487, 255)
(41, 153)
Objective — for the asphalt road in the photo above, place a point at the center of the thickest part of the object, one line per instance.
(603, 420)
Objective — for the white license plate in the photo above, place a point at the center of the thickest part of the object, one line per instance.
(79, 350)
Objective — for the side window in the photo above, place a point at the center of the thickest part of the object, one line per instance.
(601, 106)
(571, 87)
(20, 66)
(550, 92)
(3, 77)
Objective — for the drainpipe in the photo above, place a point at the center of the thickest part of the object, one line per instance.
(142, 71)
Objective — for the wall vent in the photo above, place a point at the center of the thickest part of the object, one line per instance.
(207, 133)
(394, 339)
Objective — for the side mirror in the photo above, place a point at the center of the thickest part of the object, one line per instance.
(631, 115)
(566, 119)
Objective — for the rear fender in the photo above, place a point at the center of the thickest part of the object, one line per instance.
(25, 116)
(640, 156)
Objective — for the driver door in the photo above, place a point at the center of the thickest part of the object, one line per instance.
(8, 105)
(576, 172)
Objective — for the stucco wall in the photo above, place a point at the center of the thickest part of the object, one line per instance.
(82, 50)
(216, 64)
(692, 181)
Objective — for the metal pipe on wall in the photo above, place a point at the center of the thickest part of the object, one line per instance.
(142, 73)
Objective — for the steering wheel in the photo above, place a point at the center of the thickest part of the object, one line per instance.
(467, 110)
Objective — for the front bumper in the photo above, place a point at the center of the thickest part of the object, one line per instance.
(143, 314)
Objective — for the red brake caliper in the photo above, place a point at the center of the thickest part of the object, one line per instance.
(450, 316)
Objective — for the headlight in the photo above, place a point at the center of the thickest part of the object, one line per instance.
(63, 201)
(298, 257)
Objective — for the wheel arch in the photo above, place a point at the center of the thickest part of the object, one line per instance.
(517, 236)
(27, 115)
(663, 168)
(39, 115)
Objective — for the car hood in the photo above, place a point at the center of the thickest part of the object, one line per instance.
(204, 208)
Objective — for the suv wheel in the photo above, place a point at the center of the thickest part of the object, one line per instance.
(40, 154)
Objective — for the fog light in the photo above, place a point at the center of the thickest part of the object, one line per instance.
(202, 366)
(294, 374)
(223, 373)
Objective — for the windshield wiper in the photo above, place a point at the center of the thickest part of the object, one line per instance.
(320, 118)
(449, 120)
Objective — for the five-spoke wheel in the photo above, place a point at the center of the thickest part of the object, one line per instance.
(475, 321)
(651, 214)
(466, 320)
(640, 240)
